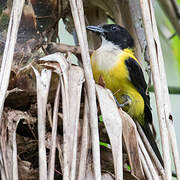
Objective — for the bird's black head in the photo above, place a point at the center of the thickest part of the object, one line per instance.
(115, 34)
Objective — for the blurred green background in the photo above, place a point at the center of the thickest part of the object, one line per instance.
(171, 54)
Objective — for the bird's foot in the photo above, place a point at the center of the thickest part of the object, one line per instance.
(126, 102)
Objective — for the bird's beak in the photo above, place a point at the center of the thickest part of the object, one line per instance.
(97, 29)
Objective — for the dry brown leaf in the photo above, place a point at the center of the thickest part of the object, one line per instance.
(12, 118)
(72, 78)
(113, 124)
(85, 142)
(89, 169)
(63, 72)
(43, 84)
(12, 81)
(54, 134)
(76, 79)
(107, 176)
(24, 84)
(26, 172)
(131, 142)
(101, 81)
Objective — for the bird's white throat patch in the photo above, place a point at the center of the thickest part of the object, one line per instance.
(106, 55)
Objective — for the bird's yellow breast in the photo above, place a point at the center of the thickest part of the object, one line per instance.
(110, 66)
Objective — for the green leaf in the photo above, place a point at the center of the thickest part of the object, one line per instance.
(105, 145)
(100, 118)
(175, 43)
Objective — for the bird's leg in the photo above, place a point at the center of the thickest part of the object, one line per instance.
(127, 101)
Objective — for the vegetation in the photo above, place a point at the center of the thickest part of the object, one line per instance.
(55, 122)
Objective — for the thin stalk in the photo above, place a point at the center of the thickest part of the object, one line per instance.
(54, 135)
(9, 50)
(157, 81)
(78, 16)
(167, 104)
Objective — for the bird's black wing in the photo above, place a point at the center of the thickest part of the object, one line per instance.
(137, 79)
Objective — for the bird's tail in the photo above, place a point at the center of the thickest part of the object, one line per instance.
(151, 139)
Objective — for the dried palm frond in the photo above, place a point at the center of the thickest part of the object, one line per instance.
(49, 126)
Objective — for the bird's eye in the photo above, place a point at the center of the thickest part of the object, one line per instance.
(114, 28)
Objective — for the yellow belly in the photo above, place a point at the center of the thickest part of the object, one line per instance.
(117, 80)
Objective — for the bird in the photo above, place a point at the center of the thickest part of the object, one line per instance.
(115, 64)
